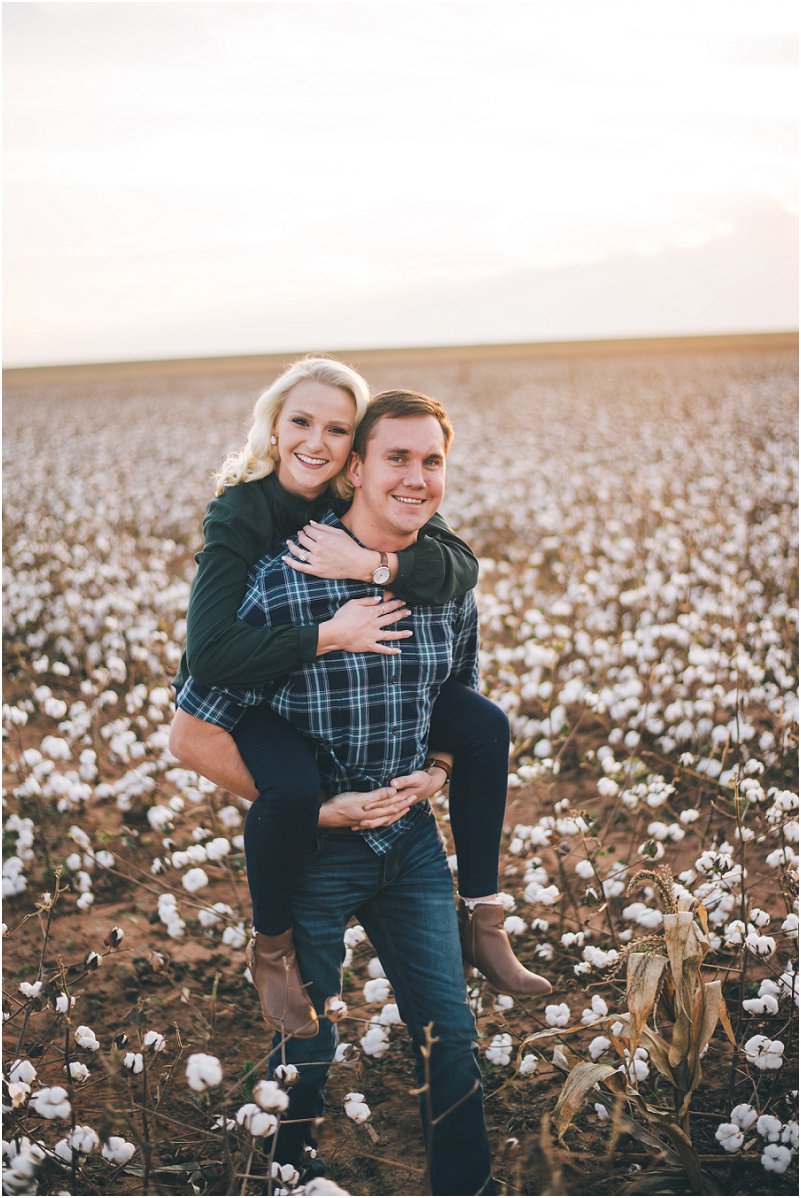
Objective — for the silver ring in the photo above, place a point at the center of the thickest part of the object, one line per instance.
(304, 557)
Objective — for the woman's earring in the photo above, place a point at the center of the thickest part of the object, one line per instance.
(273, 439)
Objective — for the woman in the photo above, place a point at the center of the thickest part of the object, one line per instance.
(291, 465)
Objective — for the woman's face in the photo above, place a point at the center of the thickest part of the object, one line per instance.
(315, 431)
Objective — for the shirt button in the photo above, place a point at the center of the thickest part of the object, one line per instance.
(394, 678)
(394, 731)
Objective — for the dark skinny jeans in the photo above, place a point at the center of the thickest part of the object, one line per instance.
(281, 826)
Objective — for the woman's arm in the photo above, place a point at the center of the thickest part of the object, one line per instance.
(439, 567)
(222, 650)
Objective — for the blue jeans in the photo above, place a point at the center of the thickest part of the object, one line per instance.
(404, 901)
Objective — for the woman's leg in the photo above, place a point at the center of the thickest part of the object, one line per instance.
(280, 828)
(476, 732)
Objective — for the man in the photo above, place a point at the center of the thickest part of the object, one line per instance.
(369, 716)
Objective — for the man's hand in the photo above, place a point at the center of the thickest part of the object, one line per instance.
(330, 552)
(358, 810)
(420, 785)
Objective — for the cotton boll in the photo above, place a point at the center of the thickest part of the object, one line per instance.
(744, 1116)
(375, 1041)
(597, 1010)
(117, 1150)
(84, 1139)
(769, 1127)
(52, 1102)
(270, 1097)
(356, 1108)
(499, 1051)
(195, 879)
(557, 1014)
(729, 1136)
(377, 990)
(203, 1071)
(776, 1158)
(390, 1015)
(599, 1046)
(765, 1054)
(256, 1121)
(86, 1038)
(355, 935)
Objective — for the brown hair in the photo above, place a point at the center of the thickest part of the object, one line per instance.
(392, 405)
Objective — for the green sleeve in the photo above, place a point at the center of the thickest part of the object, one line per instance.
(437, 568)
(220, 649)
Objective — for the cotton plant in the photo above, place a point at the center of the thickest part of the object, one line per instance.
(591, 608)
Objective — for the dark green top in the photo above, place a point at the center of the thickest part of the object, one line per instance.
(241, 526)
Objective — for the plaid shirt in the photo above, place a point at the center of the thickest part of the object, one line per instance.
(367, 714)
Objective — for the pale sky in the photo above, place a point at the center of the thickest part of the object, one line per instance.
(218, 178)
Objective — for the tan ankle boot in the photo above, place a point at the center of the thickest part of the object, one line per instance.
(285, 1004)
(485, 945)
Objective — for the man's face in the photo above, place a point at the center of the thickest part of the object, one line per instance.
(401, 479)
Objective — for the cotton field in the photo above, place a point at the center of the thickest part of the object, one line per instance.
(636, 520)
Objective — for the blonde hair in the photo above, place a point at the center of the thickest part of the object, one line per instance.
(257, 458)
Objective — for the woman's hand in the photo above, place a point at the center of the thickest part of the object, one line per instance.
(358, 810)
(330, 552)
(360, 626)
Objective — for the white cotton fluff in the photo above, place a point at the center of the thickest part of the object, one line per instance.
(203, 1071)
(500, 1049)
(744, 1116)
(375, 1041)
(769, 1127)
(764, 1053)
(557, 1014)
(117, 1150)
(776, 1158)
(86, 1038)
(195, 879)
(599, 1046)
(255, 1120)
(729, 1136)
(52, 1102)
(270, 1097)
(356, 1108)
(596, 1010)
(376, 990)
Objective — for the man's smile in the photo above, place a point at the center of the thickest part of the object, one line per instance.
(407, 499)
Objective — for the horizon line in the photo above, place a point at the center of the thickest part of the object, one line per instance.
(240, 363)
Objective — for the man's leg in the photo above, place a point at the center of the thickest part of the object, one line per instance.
(412, 924)
(334, 880)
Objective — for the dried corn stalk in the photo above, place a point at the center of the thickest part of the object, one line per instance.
(668, 980)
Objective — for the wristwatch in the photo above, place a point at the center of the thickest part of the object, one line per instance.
(382, 572)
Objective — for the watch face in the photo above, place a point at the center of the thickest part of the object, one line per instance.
(381, 575)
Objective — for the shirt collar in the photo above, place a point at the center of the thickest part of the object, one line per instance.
(300, 510)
